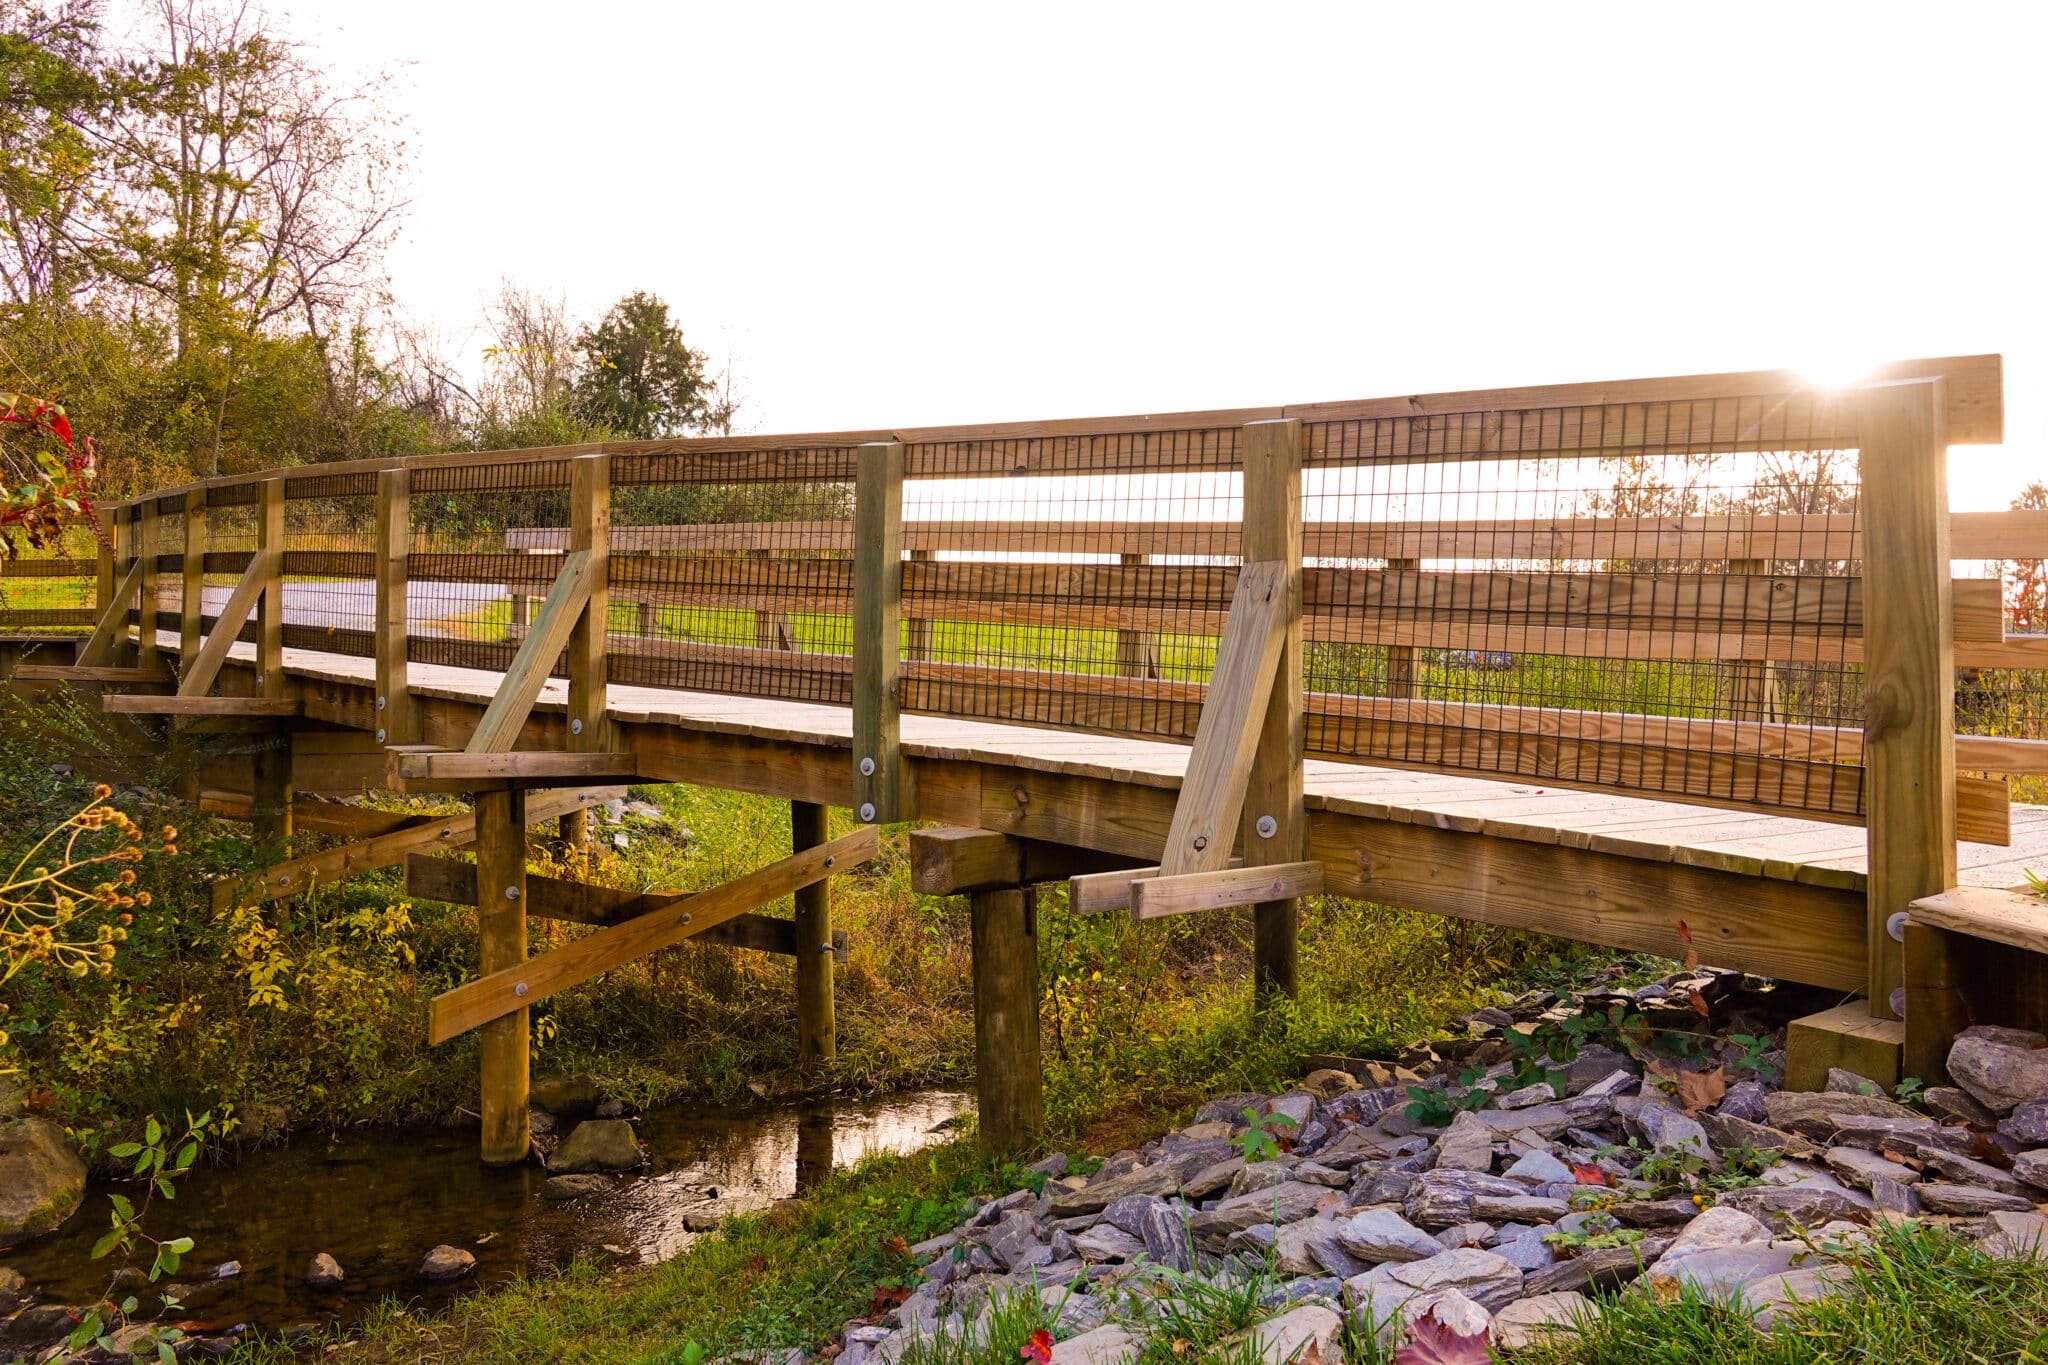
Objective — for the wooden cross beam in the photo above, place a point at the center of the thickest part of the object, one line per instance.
(331, 865)
(514, 988)
(528, 672)
(454, 881)
(420, 769)
(113, 623)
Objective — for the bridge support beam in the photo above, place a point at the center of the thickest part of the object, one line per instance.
(274, 790)
(1009, 1089)
(501, 921)
(817, 1035)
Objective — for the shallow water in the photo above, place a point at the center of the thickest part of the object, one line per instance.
(378, 1200)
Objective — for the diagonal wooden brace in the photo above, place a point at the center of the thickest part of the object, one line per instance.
(503, 720)
(501, 993)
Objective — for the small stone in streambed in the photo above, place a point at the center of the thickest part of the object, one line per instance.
(599, 1145)
(324, 1272)
(565, 1096)
(574, 1186)
(445, 1263)
(614, 1109)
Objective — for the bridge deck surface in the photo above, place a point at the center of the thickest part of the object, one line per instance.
(1779, 847)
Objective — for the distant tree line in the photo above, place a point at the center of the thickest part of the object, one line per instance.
(193, 226)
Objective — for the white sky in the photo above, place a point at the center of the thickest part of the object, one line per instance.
(976, 212)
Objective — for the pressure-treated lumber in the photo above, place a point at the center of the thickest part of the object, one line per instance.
(148, 538)
(409, 768)
(1096, 893)
(192, 581)
(1194, 892)
(2015, 918)
(504, 1048)
(205, 666)
(590, 520)
(1233, 716)
(150, 704)
(433, 877)
(270, 613)
(950, 861)
(1847, 1037)
(274, 795)
(811, 938)
(112, 626)
(500, 992)
(507, 713)
(1909, 674)
(397, 721)
(316, 817)
(878, 791)
(90, 673)
(1009, 1086)
(331, 865)
(1273, 825)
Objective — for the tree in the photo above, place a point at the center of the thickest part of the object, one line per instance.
(54, 103)
(639, 378)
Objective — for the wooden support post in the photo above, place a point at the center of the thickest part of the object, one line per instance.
(1137, 651)
(590, 531)
(1401, 658)
(522, 615)
(644, 625)
(148, 544)
(501, 921)
(878, 781)
(817, 1035)
(1008, 1087)
(1274, 824)
(103, 594)
(397, 717)
(275, 788)
(1909, 677)
(270, 612)
(126, 563)
(192, 590)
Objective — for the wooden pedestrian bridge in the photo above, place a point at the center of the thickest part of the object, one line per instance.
(1690, 663)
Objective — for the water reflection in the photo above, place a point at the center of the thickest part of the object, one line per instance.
(377, 1201)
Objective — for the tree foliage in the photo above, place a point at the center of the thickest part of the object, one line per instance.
(639, 378)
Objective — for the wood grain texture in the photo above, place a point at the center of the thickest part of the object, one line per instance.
(1097, 893)
(1233, 718)
(498, 993)
(112, 623)
(1909, 673)
(1009, 1086)
(1273, 824)
(504, 1050)
(396, 721)
(1224, 889)
(509, 708)
(93, 673)
(192, 580)
(543, 765)
(817, 1029)
(878, 789)
(2017, 919)
(270, 609)
(145, 704)
(148, 544)
(590, 522)
(206, 664)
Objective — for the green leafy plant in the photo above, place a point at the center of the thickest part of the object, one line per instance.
(1437, 1106)
(1257, 1141)
(1748, 1052)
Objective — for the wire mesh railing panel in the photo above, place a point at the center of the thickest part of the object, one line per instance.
(1091, 599)
(170, 572)
(330, 593)
(742, 587)
(1633, 596)
(471, 595)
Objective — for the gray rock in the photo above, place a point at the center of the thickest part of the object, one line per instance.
(445, 1262)
(1745, 1100)
(1721, 1272)
(1391, 1184)
(1911, 1136)
(2027, 1123)
(1771, 1299)
(1528, 1252)
(2024, 1039)
(1280, 1340)
(1518, 1208)
(1594, 1065)
(1467, 1145)
(1378, 1235)
(1527, 1097)
(1968, 1171)
(1539, 1168)
(1105, 1345)
(1716, 1228)
(1166, 1237)
(2032, 1168)
(1609, 1268)
(1298, 1105)
(614, 1109)
(324, 1272)
(1105, 1242)
(1161, 1178)
(1052, 1167)
(566, 1096)
(1315, 1173)
(1442, 1198)
(1667, 1130)
(1258, 1241)
(1845, 1082)
(1212, 1180)
(1015, 1242)
(1863, 1169)
(1129, 1212)
(1655, 1213)
(39, 1325)
(1952, 1104)
(565, 1187)
(1314, 1246)
(1529, 1321)
(1895, 1196)
(1811, 1113)
(1942, 1197)
(598, 1145)
(1726, 1131)
(1999, 1075)
(2020, 1236)
(1808, 1203)
(1466, 1235)
(1485, 1278)
(41, 1178)
(1262, 1175)
(1282, 1204)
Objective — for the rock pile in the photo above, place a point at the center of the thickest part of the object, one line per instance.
(1500, 1201)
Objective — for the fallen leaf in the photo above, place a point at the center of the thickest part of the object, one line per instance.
(1039, 1348)
(1432, 1343)
(1699, 1090)
(1588, 1174)
(886, 1296)
(1698, 1002)
(896, 1245)
(1692, 954)
(1312, 1356)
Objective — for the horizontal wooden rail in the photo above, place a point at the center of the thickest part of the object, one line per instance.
(48, 568)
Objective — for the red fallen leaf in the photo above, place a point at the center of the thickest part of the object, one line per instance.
(1588, 1174)
(1039, 1348)
(194, 1325)
(896, 1245)
(1432, 1343)
(1692, 954)
(1698, 1002)
(1699, 1090)
(886, 1296)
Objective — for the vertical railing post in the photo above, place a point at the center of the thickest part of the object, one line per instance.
(816, 1031)
(501, 926)
(397, 721)
(1752, 683)
(103, 592)
(192, 590)
(1909, 682)
(878, 782)
(917, 630)
(1274, 827)
(1401, 658)
(590, 529)
(272, 799)
(124, 526)
(1137, 651)
(148, 545)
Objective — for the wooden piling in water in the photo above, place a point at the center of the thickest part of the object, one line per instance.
(501, 922)
(816, 1028)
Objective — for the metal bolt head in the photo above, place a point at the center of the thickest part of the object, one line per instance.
(867, 810)
(511, 893)
(1898, 1002)
(867, 767)
(1896, 926)
(519, 989)
(380, 703)
(576, 727)
(1268, 827)
(380, 736)
(684, 920)
(831, 860)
